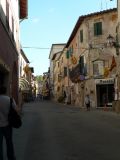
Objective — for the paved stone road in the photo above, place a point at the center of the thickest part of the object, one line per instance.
(54, 131)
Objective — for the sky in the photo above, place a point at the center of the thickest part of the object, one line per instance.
(50, 22)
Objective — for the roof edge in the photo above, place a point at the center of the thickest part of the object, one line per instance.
(80, 20)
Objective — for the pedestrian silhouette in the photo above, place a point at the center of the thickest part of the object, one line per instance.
(87, 102)
(5, 128)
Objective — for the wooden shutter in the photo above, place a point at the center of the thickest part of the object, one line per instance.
(81, 61)
(81, 36)
(65, 71)
(98, 28)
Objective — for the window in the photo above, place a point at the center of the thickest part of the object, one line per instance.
(65, 71)
(81, 62)
(83, 67)
(81, 36)
(67, 54)
(12, 29)
(97, 28)
(71, 50)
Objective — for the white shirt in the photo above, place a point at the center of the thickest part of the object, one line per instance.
(87, 100)
(4, 109)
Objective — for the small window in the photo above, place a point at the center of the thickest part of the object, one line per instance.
(81, 62)
(65, 71)
(83, 66)
(71, 50)
(81, 36)
(97, 28)
(12, 29)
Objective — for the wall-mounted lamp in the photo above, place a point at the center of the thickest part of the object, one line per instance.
(112, 42)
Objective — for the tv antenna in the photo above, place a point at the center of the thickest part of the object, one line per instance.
(101, 6)
(106, 4)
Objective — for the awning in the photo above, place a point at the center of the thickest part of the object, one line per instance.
(23, 9)
(24, 84)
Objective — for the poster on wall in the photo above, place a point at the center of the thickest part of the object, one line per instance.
(98, 68)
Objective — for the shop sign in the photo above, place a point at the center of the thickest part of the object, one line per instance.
(104, 81)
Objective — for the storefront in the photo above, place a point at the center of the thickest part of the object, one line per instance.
(104, 92)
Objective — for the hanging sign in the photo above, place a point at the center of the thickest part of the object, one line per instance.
(73, 59)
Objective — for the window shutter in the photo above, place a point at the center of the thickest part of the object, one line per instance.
(67, 55)
(65, 71)
(81, 65)
(95, 29)
(98, 28)
(81, 35)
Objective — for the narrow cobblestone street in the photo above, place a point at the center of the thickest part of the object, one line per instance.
(53, 131)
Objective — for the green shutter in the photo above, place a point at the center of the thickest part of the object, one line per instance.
(67, 55)
(95, 30)
(98, 28)
(81, 35)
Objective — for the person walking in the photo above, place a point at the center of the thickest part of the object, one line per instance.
(87, 102)
(105, 101)
(64, 95)
(5, 128)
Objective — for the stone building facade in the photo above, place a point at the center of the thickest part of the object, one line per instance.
(94, 58)
(89, 60)
(91, 72)
(55, 48)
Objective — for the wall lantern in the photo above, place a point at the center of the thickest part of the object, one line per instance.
(112, 42)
